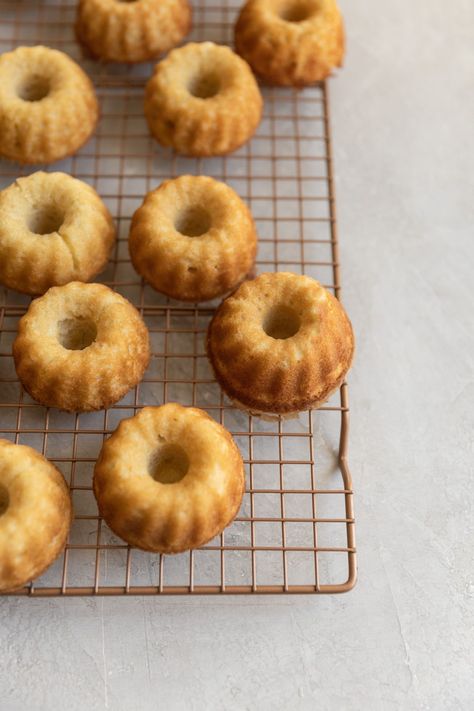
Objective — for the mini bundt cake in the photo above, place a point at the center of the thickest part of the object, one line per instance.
(169, 479)
(193, 238)
(80, 347)
(280, 344)
(291, 42)
(48, 106)
(203, 100)
(53, 229)
(35, 514)
(134, 30)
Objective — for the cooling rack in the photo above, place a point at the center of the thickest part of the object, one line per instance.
(295, 530)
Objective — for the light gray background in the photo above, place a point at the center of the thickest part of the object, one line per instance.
(402, 114)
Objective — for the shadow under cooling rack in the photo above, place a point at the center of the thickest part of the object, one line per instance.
(295, 530)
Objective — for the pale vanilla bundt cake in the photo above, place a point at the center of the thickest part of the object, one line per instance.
(35, 514)
(193, 238)
(48, 106)
(53, 229)
(280, 344)
(169, 479)
(131, 30)
(203, 100)
(291, 42)
(80, 347)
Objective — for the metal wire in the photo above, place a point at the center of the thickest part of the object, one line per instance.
(295, 531)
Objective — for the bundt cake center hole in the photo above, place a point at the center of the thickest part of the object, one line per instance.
(193, 221)
(204, 86)
(34, 88)
(296, 12)
(168, 464)
(45, 220)
(4, 499)
(281, 322)
(78, 333)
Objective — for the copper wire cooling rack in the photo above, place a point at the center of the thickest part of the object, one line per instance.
(295, 530)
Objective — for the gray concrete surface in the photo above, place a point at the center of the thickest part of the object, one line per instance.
(403, 639)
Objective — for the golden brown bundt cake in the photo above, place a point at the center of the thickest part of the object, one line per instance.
(133, 31)
(203, 100)
(193, 238)
(53, 229)
(169, 479)
(291, 42)
(35, 514)
(48, 106)
(280, 344)
(80, 347)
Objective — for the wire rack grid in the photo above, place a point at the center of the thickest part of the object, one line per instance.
(295, 530)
